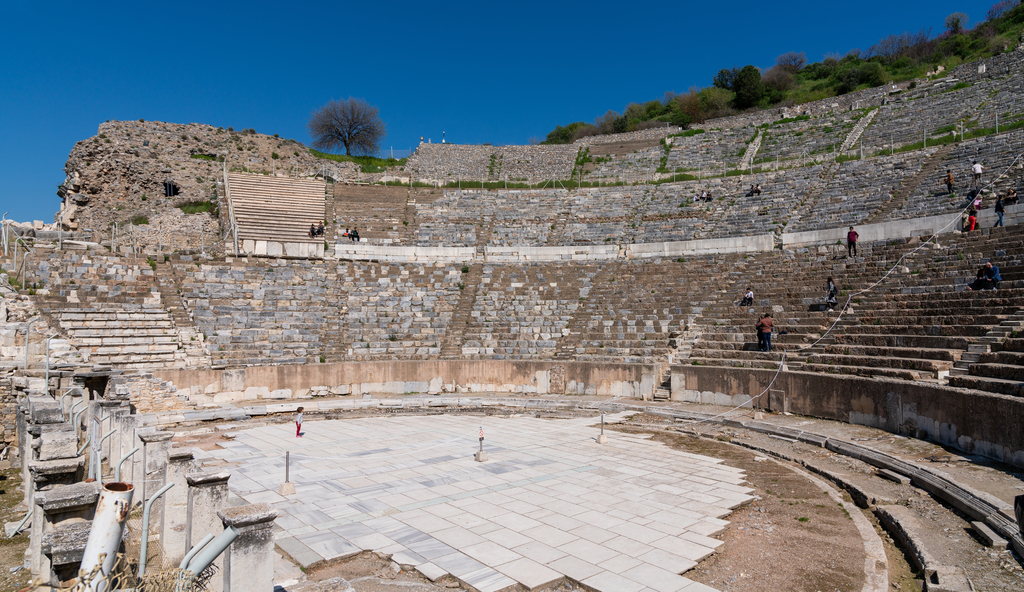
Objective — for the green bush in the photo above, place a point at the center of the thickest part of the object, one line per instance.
(198, 207)
(140, 220)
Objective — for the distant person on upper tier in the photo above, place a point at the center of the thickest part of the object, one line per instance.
(748, 298)
(977, 170)
(354, 235)
(949, 181)
(830, 294)
(752, 191)
(851, 242)
(999, 212)
(1011, 197)
(312, 230)
(757, 190)
(320, 229)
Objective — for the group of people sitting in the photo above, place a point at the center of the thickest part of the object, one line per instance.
(704, 196)
(988, 278)
(754, 190)
(315, 231)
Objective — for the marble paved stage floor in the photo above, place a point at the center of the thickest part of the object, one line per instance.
(629, 515)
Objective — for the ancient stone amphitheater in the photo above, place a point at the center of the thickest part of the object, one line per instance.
(622, 295)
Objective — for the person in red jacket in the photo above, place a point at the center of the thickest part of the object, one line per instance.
(851, 242)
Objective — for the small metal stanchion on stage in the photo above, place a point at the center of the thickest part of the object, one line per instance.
(287, 488)
(601, 438)
(481, 456)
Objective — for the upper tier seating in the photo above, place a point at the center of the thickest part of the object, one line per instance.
(276, 209)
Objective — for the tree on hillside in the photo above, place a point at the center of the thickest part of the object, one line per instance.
(956, 23)
(791, 62)
(725, 78)
(748, 88)
(353, 124)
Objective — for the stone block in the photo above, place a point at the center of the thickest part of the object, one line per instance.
(257, 392)
(280, 394)
(233, 380)
(58, 444)
(229, 397)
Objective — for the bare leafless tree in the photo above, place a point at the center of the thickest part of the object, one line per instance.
(791, 62)
(352, 123)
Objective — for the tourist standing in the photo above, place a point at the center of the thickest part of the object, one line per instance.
(298, 423)
(949, 181)
(766, 325)
(999, 211)
(851, 242)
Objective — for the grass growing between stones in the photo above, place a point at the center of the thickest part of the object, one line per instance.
(364, 161)
(198, 207)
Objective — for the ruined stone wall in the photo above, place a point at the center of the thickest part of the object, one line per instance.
(118, 175)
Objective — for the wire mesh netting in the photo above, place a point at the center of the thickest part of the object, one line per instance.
(124, 576)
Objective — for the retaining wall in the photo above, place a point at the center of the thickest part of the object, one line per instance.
(432, 377)
(900, 228)
(560, 254)
(977, 423)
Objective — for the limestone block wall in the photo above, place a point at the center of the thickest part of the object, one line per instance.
(437, 376)
(978, 423)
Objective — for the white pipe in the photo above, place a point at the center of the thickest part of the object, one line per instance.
(66, 393)
(117, 471)
(197, 548)
(205, 557)
(28, 329)
(48, 339)
(106, 533)
(145, 527)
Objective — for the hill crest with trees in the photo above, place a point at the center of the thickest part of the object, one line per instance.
(791, 81)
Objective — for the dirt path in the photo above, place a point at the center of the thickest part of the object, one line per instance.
(792, 537)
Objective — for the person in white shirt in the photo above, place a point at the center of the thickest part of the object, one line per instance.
(298, 423)
(977, 169)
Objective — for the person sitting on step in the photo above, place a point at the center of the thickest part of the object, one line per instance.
(320, 229)
(748, 298)
(980, 281)
(1011, 197)
(312, 230)
(992, 275)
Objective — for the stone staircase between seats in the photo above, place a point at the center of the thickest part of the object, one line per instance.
(278, 209)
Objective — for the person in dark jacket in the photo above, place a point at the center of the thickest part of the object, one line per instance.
(992, 276)
(1000, 209)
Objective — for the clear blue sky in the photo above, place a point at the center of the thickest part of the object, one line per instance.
(480, 71)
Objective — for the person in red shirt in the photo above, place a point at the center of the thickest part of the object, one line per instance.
(972, 220)
(851, 242)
